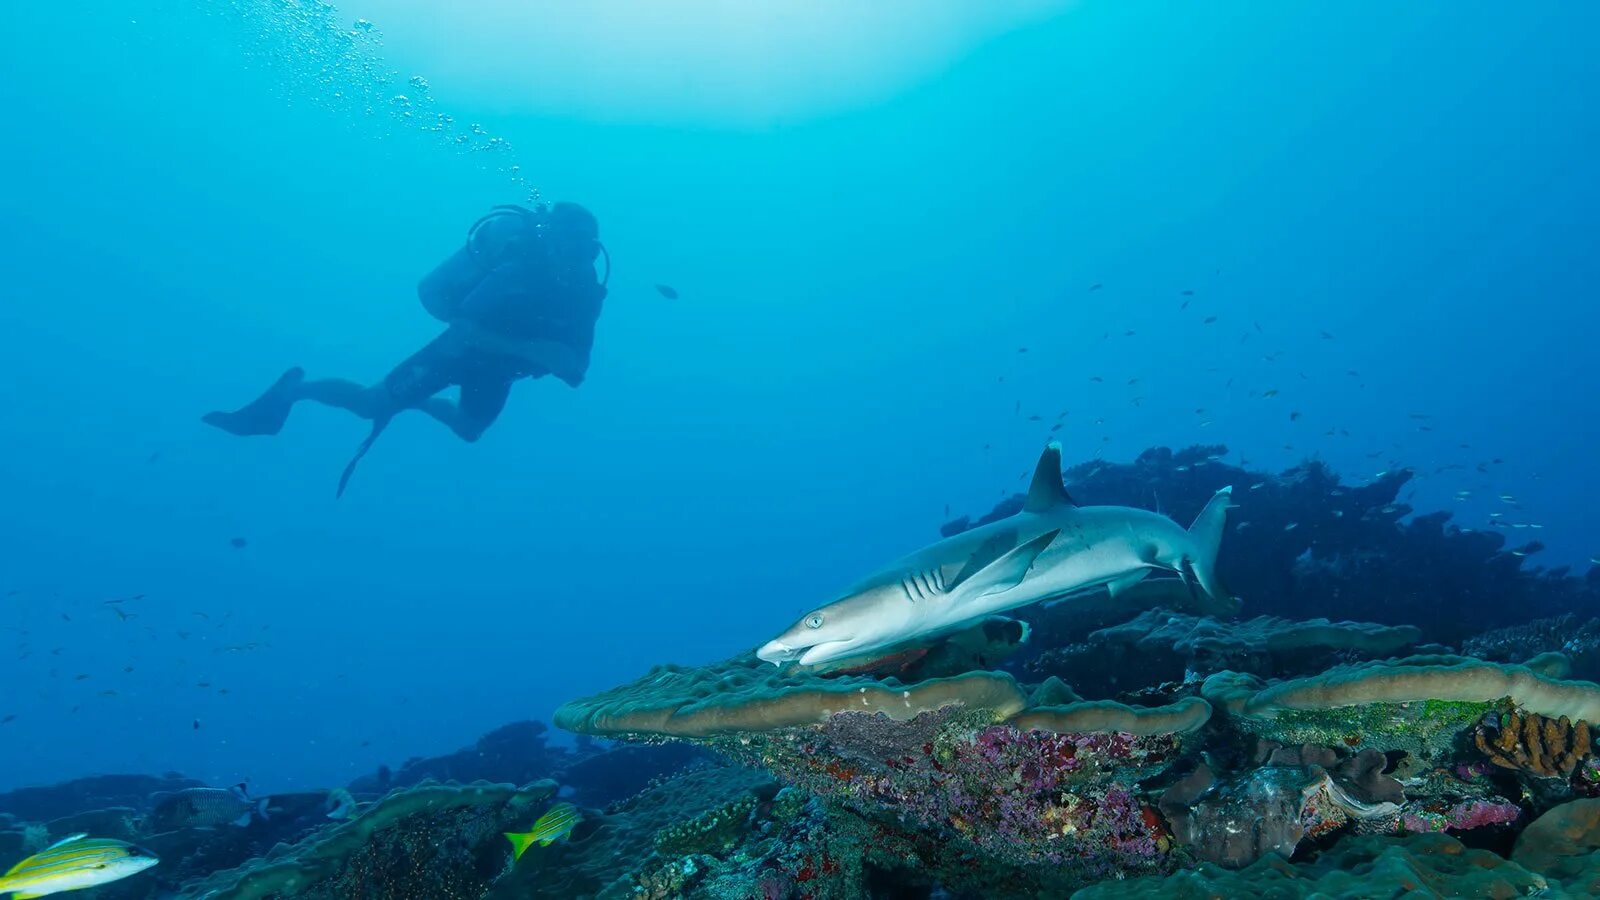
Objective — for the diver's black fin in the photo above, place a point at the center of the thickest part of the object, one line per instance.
(265, 414)
(378, 425)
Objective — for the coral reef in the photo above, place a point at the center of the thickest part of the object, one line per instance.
(1562, 844)
(513, 754)
(1237, 822)
(1578, 640)
(1268, 808)
(1532, 743)
(1418, 704)
(1181, 716)
(692, 812)
(1266, 758)
(1170, 646)
(432, 840)
(745, 694)
(1418, 865)
(41, 804)
(1055, 785)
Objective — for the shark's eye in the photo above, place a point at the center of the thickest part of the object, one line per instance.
(814, 620)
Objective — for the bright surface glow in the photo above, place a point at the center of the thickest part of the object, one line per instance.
(708, 62)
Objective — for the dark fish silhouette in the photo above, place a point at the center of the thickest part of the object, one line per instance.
(238, 543)
(667, 291)
(204, 808)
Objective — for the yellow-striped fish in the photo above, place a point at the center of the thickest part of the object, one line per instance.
(73, 864)
(554, 825)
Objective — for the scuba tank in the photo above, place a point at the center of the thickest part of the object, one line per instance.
(506, 233)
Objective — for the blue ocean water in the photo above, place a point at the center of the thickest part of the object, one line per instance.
(897, 232)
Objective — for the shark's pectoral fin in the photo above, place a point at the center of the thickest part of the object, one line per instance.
(998, 545)
(1006, 572)
(1127, 581)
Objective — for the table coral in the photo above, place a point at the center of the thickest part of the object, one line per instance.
(746, 695)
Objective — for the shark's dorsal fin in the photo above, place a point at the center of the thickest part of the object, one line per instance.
(1046, 491)
(1007, 571)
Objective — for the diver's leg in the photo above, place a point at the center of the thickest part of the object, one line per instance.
(265, 414)
(411, 383)
(481, 403)
(367, 402)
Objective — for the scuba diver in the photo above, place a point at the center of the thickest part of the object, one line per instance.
(521, 299)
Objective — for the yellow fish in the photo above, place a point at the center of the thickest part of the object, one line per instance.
(73, 864)
(554, 825)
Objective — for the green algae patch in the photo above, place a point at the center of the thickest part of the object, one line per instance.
(1426, 728)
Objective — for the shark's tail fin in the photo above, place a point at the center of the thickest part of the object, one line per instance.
(1206, 534)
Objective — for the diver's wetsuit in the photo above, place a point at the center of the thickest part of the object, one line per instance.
(515, 314)
(518, 307)
(485, 379)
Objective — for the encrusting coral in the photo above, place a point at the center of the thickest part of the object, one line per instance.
(1536, 744)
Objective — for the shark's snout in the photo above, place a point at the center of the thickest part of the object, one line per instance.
(776, 652)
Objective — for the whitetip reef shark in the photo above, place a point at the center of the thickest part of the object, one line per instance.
(1051, 549)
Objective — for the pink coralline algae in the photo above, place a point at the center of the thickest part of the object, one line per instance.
(1462, 816)
(1025, 796)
